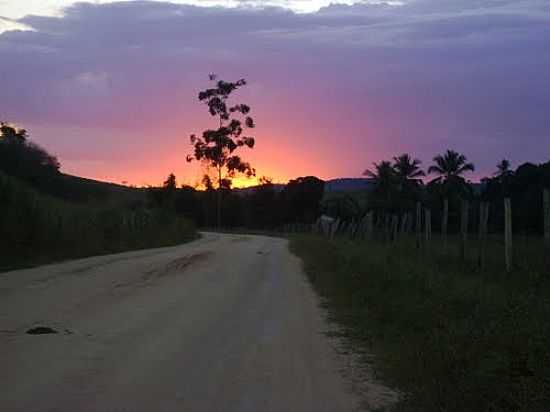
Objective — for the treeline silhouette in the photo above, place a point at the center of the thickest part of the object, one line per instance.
(464, 315)
(399, 184)
(45, 215)
(265, 207)
(37, 200)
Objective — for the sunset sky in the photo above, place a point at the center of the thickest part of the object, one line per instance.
(111, 88)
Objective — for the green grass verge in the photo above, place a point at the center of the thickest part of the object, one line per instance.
(449, 336)
(37, 229)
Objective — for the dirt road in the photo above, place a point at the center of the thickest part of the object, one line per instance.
(225, 323)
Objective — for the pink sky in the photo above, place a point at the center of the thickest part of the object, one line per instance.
(111, 89)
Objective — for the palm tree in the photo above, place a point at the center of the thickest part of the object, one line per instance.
(384, 176)
(503, 168)
(408, 175)
(503, 174)
(450, 167)
(407, 169)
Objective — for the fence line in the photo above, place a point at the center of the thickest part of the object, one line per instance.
(392, 227)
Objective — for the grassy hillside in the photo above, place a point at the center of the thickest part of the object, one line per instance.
(37, 228)
(81, 190)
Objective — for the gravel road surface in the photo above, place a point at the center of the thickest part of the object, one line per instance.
(224, 323)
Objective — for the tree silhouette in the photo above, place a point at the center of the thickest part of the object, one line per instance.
(163, 196)
(170, 184)
(301, 199)
(26, 160)
(11, 134)
(503, 175)
(503, 168)
(207, 182)
(407, 169)
(216, 147)
(408, 175)
(385, 179)
(450, 166)
(383, 174)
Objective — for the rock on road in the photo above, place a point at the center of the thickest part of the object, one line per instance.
(224, 323)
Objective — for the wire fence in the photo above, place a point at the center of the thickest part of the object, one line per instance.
(472, 241)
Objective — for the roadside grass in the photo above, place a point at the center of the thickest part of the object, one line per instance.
(449, 336)
(37, 229)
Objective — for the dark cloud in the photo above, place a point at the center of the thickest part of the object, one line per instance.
(353, 81)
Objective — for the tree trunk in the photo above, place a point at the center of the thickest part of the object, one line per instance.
(219, 198)
(418, 225)
(395, 227)
(445, 224)
(387, 227)
(403, 228)
(370, 226)
(428, 226)
(483, 222)
(464, 228)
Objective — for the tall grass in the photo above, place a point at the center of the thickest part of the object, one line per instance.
(35, 228)
(450, 336)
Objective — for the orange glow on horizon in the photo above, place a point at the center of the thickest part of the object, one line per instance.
(241, 182)
(279, 155)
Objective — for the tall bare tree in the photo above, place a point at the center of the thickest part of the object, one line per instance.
(216, 147)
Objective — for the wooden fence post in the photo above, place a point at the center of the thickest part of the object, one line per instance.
(339, 226)
(483, 222)
(428, 227)
(464, 228)
(403, 228)
(445, 224)
(546, 201)
(395, 227)
(342, 227)
(332, 229)
(387, 228)
(418, 225)
(370, 225)
(352, 228)
(508, 233)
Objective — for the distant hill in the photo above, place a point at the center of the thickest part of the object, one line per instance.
(98, 190)
(349, 184)
(80, 189)
(345, 184)
(102, 187)
(278, 187)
